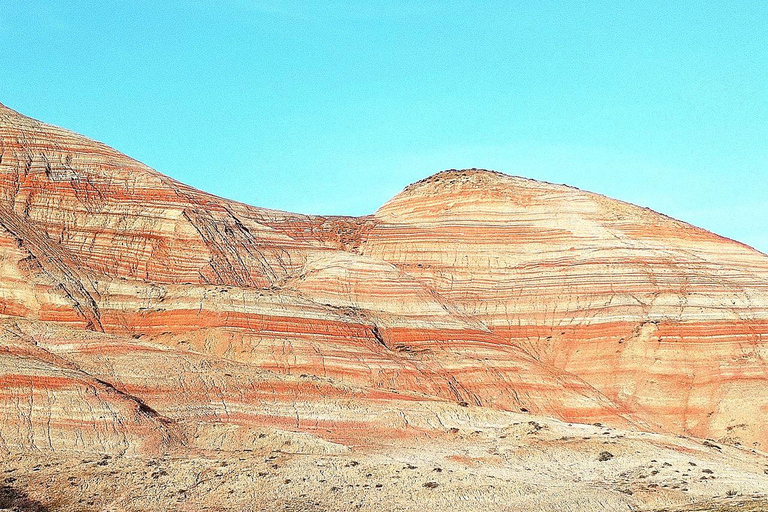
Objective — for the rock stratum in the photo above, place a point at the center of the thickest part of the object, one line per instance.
(504, 332)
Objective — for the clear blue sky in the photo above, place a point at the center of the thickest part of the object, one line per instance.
(334, 106)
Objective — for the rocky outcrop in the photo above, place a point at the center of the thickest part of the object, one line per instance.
(164, 317)
(49, 403)
(178, 279)
(666, 319)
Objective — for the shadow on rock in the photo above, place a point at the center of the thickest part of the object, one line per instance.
(16, 500)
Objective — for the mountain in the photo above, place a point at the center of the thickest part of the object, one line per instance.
(667, 320)
(142, 318)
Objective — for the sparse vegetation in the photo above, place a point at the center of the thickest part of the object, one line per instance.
(604, 456)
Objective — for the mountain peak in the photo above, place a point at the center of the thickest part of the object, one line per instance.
(472, 177)
(468, 192)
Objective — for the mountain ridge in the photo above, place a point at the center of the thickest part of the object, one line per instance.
(142, 317)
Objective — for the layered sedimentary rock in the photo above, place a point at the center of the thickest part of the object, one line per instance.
(96, 242)
(158, 317)
(666, 319)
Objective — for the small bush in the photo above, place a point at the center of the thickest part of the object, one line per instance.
(604, 456)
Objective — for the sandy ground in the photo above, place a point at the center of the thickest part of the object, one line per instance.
(533, 464)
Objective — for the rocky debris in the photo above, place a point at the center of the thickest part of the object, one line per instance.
(478, 472)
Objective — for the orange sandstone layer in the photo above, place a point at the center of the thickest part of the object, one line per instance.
(197, 314)
(667, 320)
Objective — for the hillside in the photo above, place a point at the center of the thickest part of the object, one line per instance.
(477, 323)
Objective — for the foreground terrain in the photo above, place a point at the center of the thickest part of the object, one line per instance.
(526, 464)
(481, 342)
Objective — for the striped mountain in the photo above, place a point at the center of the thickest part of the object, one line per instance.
(140, 314)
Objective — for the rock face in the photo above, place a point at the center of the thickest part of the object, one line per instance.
(667, 320)
(140, 315)
(98, 243)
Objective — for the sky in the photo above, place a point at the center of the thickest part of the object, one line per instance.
(332, 107)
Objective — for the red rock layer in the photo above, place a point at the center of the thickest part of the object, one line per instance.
(123, 219)
(96, 241)
(48, 403)
(470, 287)
(666, 319)
(185, 394)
